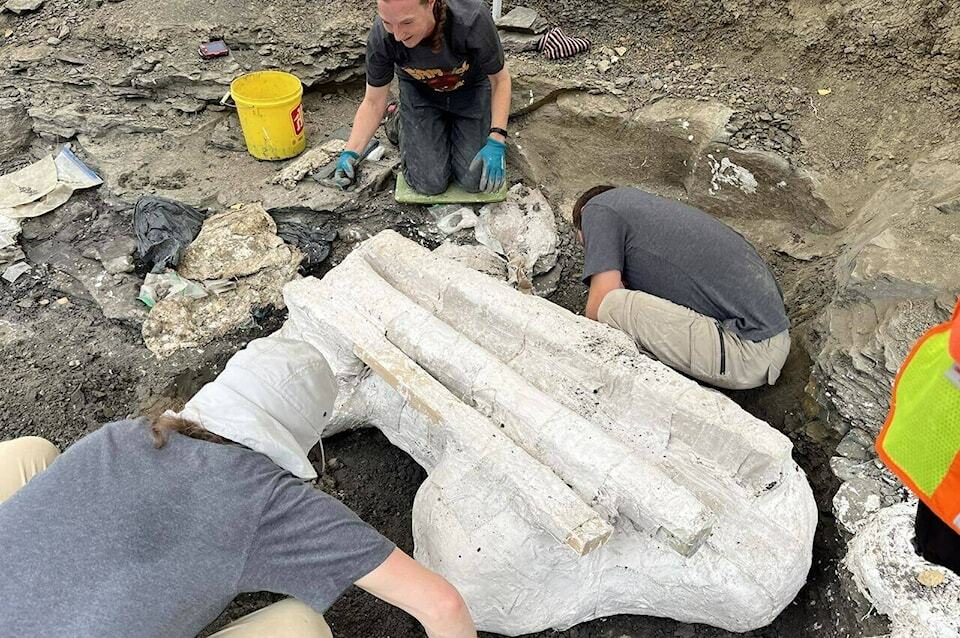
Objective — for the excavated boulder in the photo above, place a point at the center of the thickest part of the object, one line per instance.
(239, 245)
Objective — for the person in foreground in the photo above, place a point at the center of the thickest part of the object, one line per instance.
(690, 290)
(920, 441)
(454, 95)
(151, 530)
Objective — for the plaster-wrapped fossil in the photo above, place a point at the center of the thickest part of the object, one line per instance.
(569, 476)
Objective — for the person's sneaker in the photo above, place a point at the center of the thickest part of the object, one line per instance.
(391, 123)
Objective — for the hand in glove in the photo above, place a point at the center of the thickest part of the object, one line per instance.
(491, 156)
(346, 173)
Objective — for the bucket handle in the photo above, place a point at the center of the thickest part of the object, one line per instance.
(227, 101)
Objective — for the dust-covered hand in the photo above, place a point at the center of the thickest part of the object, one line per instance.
(491, 157)
(346, 173)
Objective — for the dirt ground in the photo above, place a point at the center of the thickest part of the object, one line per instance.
(893, 75)
(67, 370)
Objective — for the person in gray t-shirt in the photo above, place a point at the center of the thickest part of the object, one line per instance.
(690, 290)
(151, 530)
(454, 94)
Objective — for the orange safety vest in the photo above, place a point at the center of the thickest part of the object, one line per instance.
(920, 441)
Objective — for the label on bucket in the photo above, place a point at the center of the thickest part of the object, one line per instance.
(297, 116)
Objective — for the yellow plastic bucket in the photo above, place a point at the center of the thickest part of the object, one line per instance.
(270, 107)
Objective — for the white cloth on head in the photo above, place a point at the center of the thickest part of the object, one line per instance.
(275, 396)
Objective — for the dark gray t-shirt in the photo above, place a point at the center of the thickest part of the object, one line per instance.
(119, 539)
(676, 252)
(472, 51)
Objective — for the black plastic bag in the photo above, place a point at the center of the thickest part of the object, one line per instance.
(315, 243)
(164, 228)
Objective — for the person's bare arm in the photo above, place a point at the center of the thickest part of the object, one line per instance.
(425, 595)
(500, 91)
(600, 285)
(368, 117)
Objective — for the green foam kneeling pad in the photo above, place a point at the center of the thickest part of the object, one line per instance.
(453, 195)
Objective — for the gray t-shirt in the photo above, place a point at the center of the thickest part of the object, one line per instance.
(472, 51)
(681, 254)
(119, 539)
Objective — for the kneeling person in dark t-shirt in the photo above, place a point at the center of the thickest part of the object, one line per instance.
(454, 94)
(691, 291)
(151, 530)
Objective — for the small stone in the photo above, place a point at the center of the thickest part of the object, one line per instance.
(44, 302)
(621, 51)
(847, 470)
(25, 303)
(622, 82)
(603, 66)
(62, 301)
(643, 80)
(817, 431)
(53, 41)
(23, 6)
(856, 500)
(931, 578)
(951, 207)
(74, 363)
(657, 84)
(852, 450)
(64, 32)
(119, 265)
(522, 19)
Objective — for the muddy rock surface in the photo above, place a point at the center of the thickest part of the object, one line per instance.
(825, 133)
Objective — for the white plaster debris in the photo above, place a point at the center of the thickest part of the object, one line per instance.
(725, 172)
(569, 476)
(921, 599)
(524, 230)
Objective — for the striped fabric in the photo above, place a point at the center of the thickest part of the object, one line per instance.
(556, 45)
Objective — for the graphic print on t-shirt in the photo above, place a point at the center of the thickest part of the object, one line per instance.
(439, 79)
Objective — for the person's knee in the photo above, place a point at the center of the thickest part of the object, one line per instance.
(22, 459)
(428, 183)
(288, 618)
(32, 450)
(471, 186)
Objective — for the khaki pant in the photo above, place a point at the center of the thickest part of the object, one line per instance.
(692, 343)
(22, 459)
(288, 618)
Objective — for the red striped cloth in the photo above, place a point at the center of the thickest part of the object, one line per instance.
(556, 45)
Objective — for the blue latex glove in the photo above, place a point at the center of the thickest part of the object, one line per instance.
(491, 156)
(346, 172)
